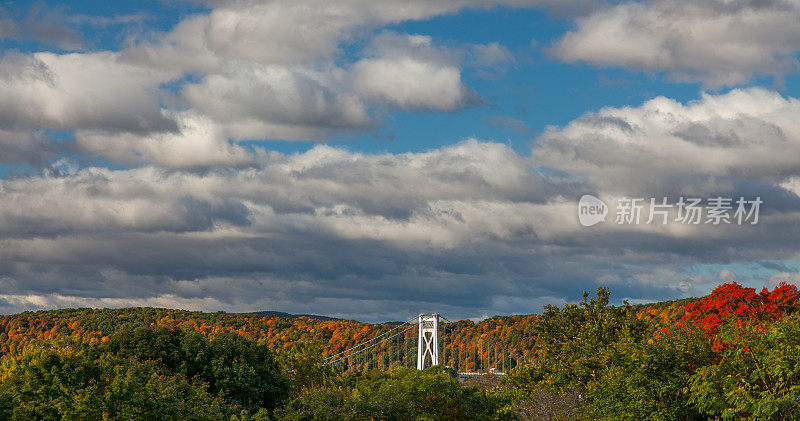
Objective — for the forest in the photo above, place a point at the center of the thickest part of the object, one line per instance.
(733, 354)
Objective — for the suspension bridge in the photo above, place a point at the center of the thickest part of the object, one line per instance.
(424, 341)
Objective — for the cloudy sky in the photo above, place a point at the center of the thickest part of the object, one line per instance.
(371, 159)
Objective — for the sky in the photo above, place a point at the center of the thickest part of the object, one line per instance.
(373, 159)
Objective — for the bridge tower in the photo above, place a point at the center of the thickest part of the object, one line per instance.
(428, 343)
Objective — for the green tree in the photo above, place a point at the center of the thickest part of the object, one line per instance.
(159, 374)
(576, 344)
(240, 370)
(404, 394)
(49, 385)
(608, 359)
(646, 380)
(67, 384)
(303, 364)
(757, 373)
(321, 404)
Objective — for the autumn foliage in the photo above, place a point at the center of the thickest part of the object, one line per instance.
(729, 355)
(89, 326)
(735, 303)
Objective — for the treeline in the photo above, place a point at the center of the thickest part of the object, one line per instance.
(734, 354)
(95, 325)
(178, 374)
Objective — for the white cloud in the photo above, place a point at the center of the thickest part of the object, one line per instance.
(255, 100)
(328, 188)
(716, 42)
(276, 102)
(86, 91)
(408, 71)
(198, 142)
(664, 145)
(243, 71)
(787, 277)
(15, 303)
(726, 275)
(491, 54)
(281, 32)
(409, 83)
(290, 32)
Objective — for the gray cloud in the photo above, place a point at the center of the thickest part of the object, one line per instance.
(105, 21)
(30, 147)
(509, 123)
(275, 102)
(357, 235)
(42, 24)
(324, 225)
(8, 28)
(46, 25)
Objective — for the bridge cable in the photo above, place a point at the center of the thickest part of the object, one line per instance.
(370, 347)
(475, 361)
(518, 357)
(368, 341)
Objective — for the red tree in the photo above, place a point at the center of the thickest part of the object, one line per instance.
(735, 303)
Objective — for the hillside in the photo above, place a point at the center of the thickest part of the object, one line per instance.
(734, 348)
(276, 329)
(270, 313)
(88, 325)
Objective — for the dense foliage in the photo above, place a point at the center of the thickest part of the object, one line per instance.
(404, 394)
(734, 354)
(95, 325)
(143, 374)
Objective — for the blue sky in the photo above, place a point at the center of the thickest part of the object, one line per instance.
(372, 159)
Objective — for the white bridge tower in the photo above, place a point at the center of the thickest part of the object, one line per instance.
(428, 343)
